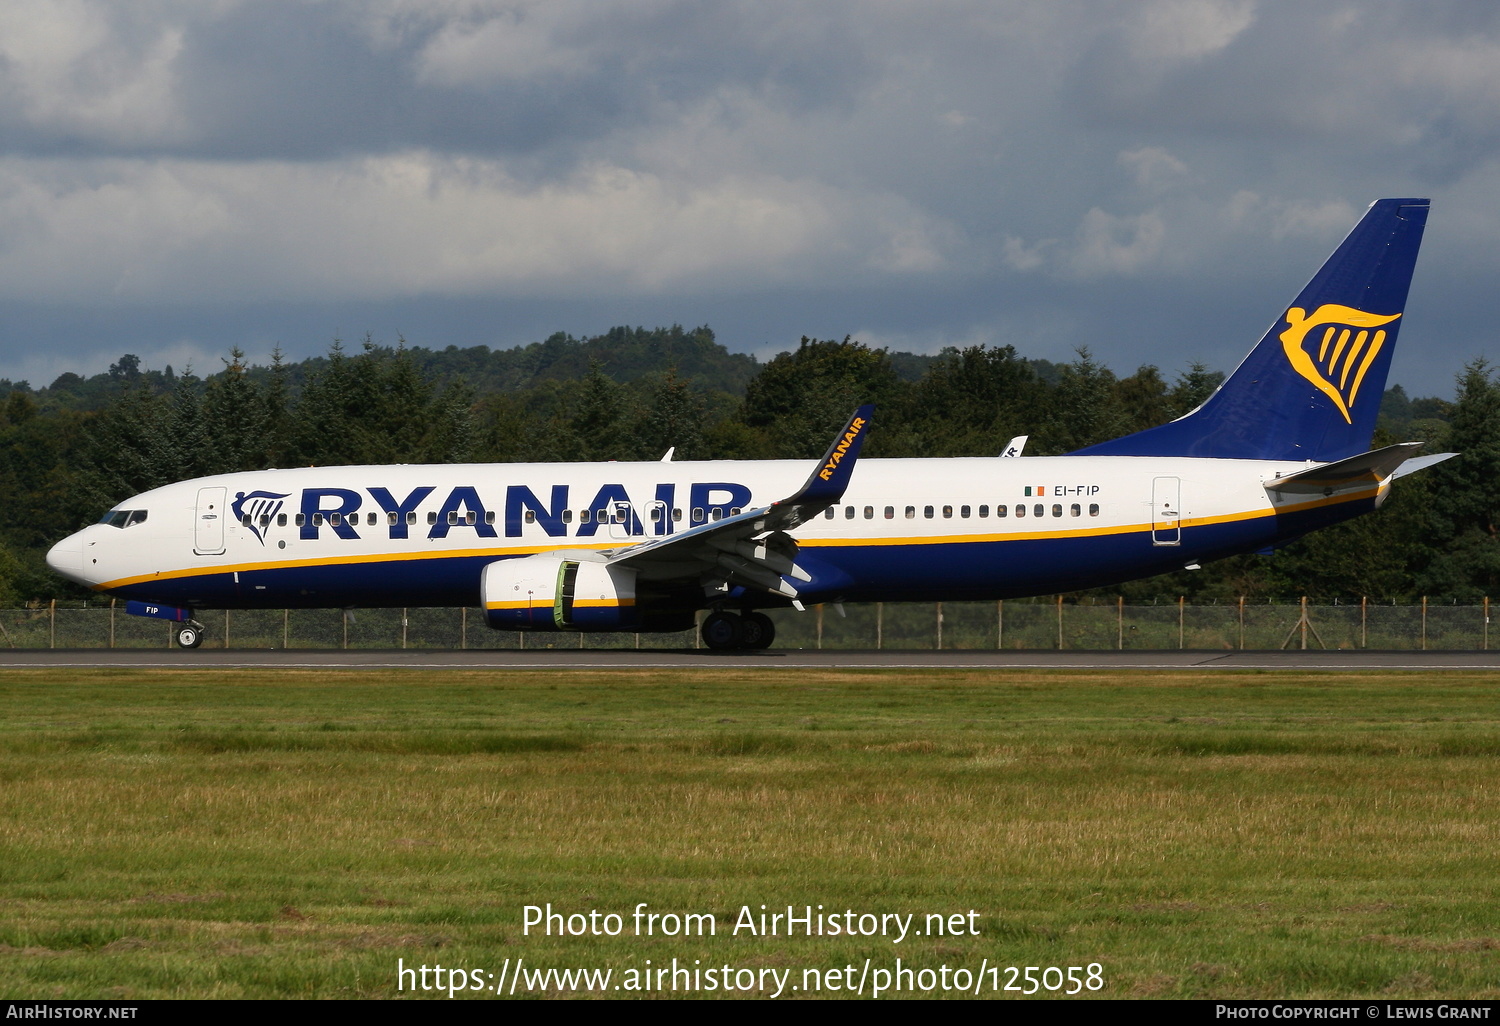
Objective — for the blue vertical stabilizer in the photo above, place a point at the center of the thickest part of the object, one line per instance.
(1311, 389)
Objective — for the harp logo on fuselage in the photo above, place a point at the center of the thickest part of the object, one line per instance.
(1335, 358)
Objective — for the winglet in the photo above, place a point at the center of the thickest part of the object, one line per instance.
(827, 483)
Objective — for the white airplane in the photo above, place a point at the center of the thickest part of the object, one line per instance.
(1278, 451)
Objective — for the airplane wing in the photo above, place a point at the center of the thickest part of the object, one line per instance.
(754, 549)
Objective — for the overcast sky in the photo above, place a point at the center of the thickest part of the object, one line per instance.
(1153, 179)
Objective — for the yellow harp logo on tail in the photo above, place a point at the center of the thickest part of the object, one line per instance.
(1336, 358)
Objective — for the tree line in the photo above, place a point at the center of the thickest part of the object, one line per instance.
(75, 448)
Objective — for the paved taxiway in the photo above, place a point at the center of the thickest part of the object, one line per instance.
(626, 659)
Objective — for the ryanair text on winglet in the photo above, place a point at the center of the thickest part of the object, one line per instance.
(855, 427)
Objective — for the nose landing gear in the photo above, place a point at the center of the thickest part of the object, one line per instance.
(189, 633)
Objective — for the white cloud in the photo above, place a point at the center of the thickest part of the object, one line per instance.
(1107, 244)
(416, 223)
(106, 72)
(1182, 31)
(1283, 218)
(1152, 167)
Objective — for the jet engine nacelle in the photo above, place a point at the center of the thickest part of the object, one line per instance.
(555, 593)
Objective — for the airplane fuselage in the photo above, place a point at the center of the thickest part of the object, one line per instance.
(906, 529)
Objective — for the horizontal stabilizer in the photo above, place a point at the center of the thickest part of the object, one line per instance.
(1368, 466)
(1422, 463)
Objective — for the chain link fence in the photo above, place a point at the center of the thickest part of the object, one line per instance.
(1016, 624)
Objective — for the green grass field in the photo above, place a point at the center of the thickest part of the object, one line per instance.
(289, 833)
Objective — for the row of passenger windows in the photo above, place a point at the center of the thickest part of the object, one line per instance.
(585, 516)
(124, 518)
(965, 512)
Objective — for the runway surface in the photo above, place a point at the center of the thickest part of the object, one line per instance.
(624, 659)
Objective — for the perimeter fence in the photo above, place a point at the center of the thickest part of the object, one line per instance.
(1015, 624)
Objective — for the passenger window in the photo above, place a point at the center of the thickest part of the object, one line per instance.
(390, 518)
(301, 519)
(489, 516)
(1021, 509)
(890, 512)
(584, 516)
(984, 511)
(472, 517)
(911, 512)
(1039, 509)
(736, 511)
(1057, 509)
(245, 520)
(1001, 511)
(531, 516)
(677, 514)
(848, 512)
(281, 519)
(452, 517)
(1076, 510)
(411, 516)
(829, 513)
(927, 512)
(1093, 509)
(317, 520)
(869, 512)
(947, 512)
(717, 513)
(335, 519)
(697, 514)
(963, 511)
(601, 516)
(656, 514)
(431, 517)
(265, 520)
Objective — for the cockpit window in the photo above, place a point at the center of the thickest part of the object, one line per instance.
(123, 517)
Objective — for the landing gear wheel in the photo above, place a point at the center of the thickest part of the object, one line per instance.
(758, 630)
(189, 635)
(723, 632)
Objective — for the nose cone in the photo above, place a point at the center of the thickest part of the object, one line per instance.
(66, 558)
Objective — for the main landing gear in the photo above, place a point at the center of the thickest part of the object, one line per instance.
(724, 632)
(189, 633)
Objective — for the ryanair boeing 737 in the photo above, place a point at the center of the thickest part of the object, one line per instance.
(1279, 450)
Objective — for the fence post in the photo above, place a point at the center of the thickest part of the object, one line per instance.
(999, 623)
(52, 624)
(1120, 623)
(1181, 615)
(463, 628)
(403, 628)
(1486, 623)
(111, 623)
(820, 626)
(1242, 623)
(1364, 623)
(940, 626)
(1424, 623)
(1303, 623)
(1059, 624)
(344, 619)
(226, 628)
(286, 625)
(879, 626)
